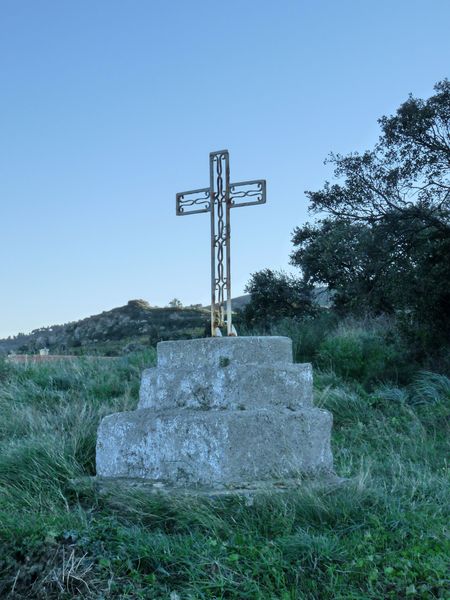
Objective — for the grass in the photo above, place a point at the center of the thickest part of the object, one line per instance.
(369, 350)
(382, 535)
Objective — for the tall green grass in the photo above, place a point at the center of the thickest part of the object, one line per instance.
(381, 535)
(369, 350)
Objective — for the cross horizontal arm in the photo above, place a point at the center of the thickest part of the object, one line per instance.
(193, 202)
(254, 191)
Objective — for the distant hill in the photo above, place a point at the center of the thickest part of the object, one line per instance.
(237, 303)
(126, 328)
(114, 331)
(321, 295)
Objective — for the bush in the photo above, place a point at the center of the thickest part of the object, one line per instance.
(367, 351)
(275, 294)
(306, 334)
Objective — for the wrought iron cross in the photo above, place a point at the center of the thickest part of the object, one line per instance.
(218, 199)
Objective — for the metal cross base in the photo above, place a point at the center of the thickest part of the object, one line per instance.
(218, 199)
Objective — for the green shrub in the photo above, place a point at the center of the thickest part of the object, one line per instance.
(366, 353)
(306, 334)
(369, 350)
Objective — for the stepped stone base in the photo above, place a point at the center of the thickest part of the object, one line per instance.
(219, 412)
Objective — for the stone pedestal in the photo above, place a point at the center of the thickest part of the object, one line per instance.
(219, 413)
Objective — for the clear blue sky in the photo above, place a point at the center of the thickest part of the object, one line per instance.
(108, 108)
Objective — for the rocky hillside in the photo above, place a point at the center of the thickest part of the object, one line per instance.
(126, 328)
(113, 332)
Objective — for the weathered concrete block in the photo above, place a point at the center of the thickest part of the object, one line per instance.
(233, 386)
(147, 391)
(215, 352)
(219, 412)
(214, 447)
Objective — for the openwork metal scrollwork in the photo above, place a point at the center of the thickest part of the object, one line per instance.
(218, 199)
(189, 203)
(255, 189)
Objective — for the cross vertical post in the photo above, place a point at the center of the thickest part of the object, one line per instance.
(219, 172)
(218, 200)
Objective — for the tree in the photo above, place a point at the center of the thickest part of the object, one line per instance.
(406, 176)
(349, 259)
(274, 295)
(175, 303)
(383, 242)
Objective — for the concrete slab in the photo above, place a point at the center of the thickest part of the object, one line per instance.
(234, 387)
(214, 448)
(215, 352)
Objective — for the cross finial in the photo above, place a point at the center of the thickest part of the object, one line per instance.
(218, 199)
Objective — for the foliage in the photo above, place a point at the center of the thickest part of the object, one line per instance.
(306, 333)
(405, 175)
(383, 244)
(369, 352)
(175, 303)
(274, 295)
(366, 350)
(381, 535)
(357, 262)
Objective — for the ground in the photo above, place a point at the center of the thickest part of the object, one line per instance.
(382, 535)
